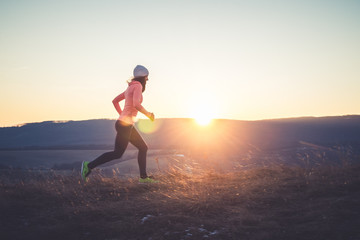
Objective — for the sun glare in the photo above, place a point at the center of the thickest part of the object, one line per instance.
(204, 109)
(203, 117)
(203, 120)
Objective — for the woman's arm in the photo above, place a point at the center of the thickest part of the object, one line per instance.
(136, 102)
(116, 102)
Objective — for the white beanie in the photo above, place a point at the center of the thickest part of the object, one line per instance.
(140, 71)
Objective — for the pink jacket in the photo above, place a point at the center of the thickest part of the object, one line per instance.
(133, 99)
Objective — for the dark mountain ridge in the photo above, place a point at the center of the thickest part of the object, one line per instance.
(185, 133)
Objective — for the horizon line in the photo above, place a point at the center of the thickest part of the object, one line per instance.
(188, 118)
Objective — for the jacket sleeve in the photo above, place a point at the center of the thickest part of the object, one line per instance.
(116, 101)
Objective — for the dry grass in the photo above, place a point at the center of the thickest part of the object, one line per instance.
(262, 203)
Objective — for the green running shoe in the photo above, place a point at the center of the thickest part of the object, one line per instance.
(85, 170)
(147, 180)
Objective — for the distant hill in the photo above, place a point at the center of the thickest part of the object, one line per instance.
(227, 135)
(44, 135)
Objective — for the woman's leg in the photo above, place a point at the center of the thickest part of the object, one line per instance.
(139, 143)
(121, 142)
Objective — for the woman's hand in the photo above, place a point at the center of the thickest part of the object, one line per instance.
(151, 116)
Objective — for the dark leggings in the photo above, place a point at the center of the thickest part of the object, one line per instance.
(124, 135)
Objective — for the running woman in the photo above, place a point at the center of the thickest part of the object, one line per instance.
(125, 129)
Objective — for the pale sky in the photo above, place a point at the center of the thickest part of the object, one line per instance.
(246, 60)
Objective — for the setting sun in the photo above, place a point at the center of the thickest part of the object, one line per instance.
(204, 115)
(203, 120)
(205, 109)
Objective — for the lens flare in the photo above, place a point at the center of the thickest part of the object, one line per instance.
(147, 126)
